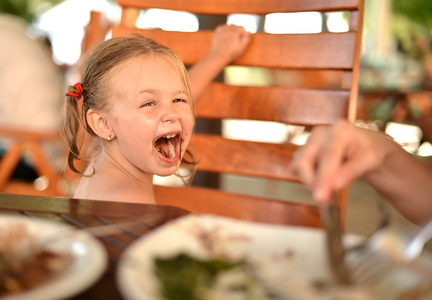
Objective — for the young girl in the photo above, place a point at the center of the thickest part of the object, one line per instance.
(136, 102)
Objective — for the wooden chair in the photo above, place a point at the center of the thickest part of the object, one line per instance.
(94, 33)
(324, 52)
(29, 143)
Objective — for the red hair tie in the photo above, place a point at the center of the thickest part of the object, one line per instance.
(79, 89)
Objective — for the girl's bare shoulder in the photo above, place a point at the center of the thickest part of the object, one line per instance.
(112, 190)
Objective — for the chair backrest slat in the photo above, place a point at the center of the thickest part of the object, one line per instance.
(279, 51)
(242, 157)
(292, 106)
(224, 7)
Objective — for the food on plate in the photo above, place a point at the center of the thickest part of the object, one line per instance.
(225, 269)
(186, 277)
(21, 270)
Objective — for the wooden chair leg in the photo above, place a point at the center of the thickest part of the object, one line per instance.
(44, 167)
(8, 164)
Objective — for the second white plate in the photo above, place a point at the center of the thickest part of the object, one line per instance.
(89, 259)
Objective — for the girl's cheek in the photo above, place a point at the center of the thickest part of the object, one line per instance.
(191, 122)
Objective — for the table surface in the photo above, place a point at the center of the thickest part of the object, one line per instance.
(87, 213)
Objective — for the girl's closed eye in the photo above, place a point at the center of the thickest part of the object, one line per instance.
(148, 103)
(180, 100)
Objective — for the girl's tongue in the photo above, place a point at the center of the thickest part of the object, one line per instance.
(167, 146)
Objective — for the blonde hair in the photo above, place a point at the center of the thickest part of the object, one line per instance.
(95, 83)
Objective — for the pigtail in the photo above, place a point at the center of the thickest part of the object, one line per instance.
(72, 124)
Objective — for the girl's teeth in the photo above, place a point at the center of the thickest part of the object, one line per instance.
(171, 151)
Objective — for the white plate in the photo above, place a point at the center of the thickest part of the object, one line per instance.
(88, 264)
(290, 258)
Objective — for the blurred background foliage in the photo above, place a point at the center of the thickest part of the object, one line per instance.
(420, 11)
(27, 9)
(411, 25)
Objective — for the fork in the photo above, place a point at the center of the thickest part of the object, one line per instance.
(389, 247)
(331, 217)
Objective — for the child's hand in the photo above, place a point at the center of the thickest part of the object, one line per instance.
(229, 42)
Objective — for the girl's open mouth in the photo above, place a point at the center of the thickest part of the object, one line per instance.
(168, 145)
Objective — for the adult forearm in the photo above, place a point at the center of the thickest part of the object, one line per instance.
(406, 182)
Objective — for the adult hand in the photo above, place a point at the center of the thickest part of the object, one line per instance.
(336, 155)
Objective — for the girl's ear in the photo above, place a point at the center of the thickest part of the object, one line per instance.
(99, 124)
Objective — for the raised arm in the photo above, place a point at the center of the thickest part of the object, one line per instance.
(336, 155)
(229, 42)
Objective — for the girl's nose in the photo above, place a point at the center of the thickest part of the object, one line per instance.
(170, 114)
